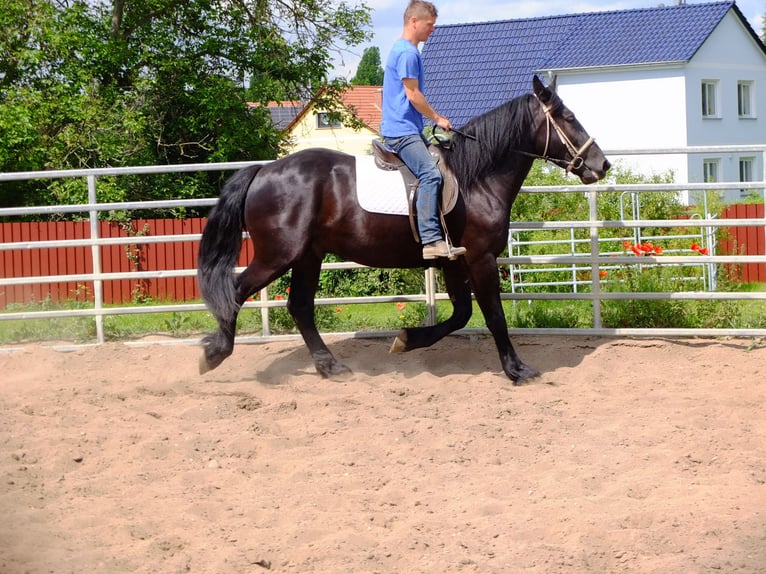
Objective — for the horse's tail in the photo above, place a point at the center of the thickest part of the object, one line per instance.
(221, 243)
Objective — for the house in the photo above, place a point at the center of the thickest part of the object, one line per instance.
(282, 112)
(314, 127)
(658, 78)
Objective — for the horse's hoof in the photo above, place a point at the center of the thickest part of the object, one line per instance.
(204, 366)
(525, 374)
(400, 343)
(340, 373)
(335, 372)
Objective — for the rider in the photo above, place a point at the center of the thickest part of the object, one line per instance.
(404, 106)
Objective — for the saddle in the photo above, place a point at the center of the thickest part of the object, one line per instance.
(386, 159)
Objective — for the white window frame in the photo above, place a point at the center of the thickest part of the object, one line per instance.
(711, 170)
(324, 122)
(745, 99)
(710, 99)
(746, 168)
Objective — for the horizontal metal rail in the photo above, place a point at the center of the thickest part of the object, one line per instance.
(593, 261)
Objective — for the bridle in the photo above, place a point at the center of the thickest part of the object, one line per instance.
(577, 160)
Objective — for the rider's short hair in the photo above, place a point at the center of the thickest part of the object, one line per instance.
(420, 9)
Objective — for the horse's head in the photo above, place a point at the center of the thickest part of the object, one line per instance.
(563, 140)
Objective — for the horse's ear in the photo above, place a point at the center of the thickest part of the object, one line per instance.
(552, 85)
(543, 94)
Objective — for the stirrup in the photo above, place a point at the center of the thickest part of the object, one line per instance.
(451, 248)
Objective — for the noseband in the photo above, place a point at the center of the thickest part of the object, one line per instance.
(577, 161)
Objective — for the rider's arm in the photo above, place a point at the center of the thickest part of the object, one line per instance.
(420, 103)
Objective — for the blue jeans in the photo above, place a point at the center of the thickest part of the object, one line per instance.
(414, 153)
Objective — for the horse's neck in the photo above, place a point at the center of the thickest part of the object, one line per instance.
(508, 179)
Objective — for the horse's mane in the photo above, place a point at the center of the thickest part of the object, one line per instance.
(497, 133)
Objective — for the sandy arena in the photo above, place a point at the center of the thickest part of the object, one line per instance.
(625, 456)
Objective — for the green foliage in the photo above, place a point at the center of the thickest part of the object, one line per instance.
(570, 206)
(547, 206)
(126, 82)
(369, 72)
(550, 314)
(659, 313)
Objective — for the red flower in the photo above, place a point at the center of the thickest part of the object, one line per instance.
(636, 250)
(702, 251)
(626, 244)
(278, 298)
(602, 273)
(338, 309)
(658, 250)
(694, 247)
(400, 305)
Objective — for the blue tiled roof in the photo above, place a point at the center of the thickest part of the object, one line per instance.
(472, 68)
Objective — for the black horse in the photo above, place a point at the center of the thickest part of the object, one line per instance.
(303, 206)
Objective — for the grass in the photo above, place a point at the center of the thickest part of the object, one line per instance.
(389, 316)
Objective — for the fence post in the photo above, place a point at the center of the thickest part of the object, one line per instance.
(595, 278)
(95, 252)
(265, 327)
(430, 280)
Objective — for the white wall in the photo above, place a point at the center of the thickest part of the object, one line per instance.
(729, 55)
(630, 109)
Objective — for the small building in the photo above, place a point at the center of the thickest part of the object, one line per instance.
(313, 127)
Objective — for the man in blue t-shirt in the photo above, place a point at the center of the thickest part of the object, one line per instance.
(404, 106)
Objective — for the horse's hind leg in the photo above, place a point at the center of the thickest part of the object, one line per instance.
(300, 303)
(459, 291)
(219, 345)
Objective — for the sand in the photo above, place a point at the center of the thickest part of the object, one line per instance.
(624, 456)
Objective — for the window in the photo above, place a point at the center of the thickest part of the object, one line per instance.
(709, 98)
(746, 174)
(324, 121)
(710, 170)
(745, 99)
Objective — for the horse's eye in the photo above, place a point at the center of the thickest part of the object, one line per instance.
(569, 118)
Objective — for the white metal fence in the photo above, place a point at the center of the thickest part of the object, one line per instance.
(593, 261)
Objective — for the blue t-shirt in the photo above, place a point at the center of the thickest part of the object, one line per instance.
(399, 116)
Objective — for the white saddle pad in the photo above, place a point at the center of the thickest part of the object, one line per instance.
(378, 190)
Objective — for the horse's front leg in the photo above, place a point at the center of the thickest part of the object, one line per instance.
(456, 281)
(486, 287)
(300, 303)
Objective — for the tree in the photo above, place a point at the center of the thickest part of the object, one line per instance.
(369, 72)
(101, 83)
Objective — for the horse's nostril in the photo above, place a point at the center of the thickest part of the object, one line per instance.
(607, 165)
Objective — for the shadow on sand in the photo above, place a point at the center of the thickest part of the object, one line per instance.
(456, 355)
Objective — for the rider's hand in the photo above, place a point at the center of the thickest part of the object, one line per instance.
(443, 123)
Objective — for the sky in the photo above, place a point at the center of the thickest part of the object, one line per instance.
(387, 17)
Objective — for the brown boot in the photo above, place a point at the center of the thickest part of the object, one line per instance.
(441, 249)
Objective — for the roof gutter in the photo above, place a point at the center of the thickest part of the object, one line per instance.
(550, 72)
